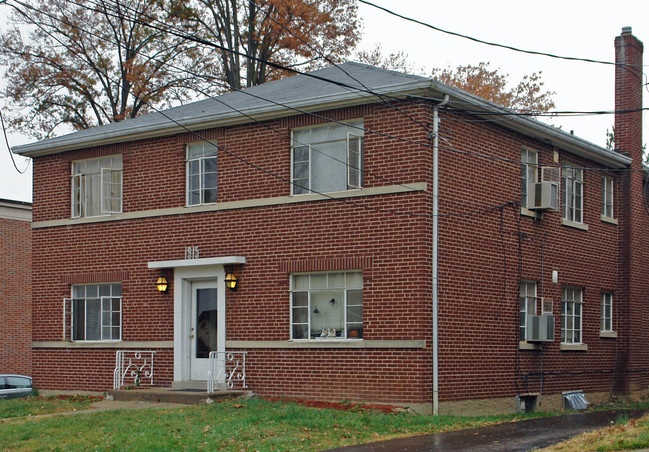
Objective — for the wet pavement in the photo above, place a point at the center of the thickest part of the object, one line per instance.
(512, 436)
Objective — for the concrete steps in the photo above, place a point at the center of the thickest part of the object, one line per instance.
(167, 395)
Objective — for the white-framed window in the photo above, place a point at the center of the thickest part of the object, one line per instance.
(572, 190)
(571, 309)
(529, 172)
(327, 158)
(97, 186)
(607, 312)
(95, 312)
(607, 197)
(202, 175)
(528, 299)
(327, 305)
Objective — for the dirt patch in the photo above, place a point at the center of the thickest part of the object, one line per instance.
(72, 398)
(344, 405)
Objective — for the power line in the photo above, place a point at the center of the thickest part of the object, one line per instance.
(504, 46)
(4, 132)
(480, 210)
(515, 161)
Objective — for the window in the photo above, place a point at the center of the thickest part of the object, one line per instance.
(201, 173)
(96, 312)
(529, 172)
(327, 158)
(528, 304)
(327, 306)
(97, 186)
(607, 312)
(572, 187)
(571, 303)
(607, 197)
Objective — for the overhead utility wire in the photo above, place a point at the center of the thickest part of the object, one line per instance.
(11, 154)
(451, 149)
(486, 209)
(328, 60)
(504, 46)
(514, 161)
(217, 99)
(404, 139)
(365, 89)
(175, 31)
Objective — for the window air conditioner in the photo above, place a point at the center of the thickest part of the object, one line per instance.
(540, 328)
(543, 195)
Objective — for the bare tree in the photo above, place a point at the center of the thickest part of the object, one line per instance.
(91, 63)
(256, 36)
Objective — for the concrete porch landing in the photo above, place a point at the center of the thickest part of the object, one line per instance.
(167, 395)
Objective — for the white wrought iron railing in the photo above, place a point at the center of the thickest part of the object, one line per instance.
(227, 371)
(133, 368)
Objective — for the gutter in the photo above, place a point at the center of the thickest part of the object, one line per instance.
(175, 120)
(196, 118)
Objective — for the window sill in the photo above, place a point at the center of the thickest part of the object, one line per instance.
(527, 212)
(105, 215)
(236, 205)
(344, 343)
(606, 219)
(103, 344)
(572, 224)
(524, 345)
(608, 334)
(573, 347)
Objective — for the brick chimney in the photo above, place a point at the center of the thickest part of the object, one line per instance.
(630, 296)
(628, 95)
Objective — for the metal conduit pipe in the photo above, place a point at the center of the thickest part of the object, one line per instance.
(435, 252)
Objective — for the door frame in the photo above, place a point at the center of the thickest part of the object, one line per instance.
(185, 272)
(183, 281)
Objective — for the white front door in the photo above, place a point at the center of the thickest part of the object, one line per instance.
(205, 325)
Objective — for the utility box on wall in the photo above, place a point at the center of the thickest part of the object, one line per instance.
(540, 328)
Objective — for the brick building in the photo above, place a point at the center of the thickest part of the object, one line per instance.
(15, 289)
(318, 194)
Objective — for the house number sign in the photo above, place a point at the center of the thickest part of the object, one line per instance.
(191, 252)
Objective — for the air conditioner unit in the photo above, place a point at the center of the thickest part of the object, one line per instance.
(543, 195)
(540, 328)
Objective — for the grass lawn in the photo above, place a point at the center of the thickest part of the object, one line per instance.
(32, 406)
(625, 435)
(253, 424)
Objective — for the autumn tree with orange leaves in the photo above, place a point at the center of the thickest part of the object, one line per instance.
(527, 96)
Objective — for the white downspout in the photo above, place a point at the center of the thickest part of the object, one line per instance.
(435, 253)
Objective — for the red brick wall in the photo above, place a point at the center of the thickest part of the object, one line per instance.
(479, 285)
(484, 252)
(392, 250)
(15, 296)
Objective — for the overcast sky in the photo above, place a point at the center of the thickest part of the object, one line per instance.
(574, 28)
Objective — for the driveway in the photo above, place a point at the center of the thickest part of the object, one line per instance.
(512, 436)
